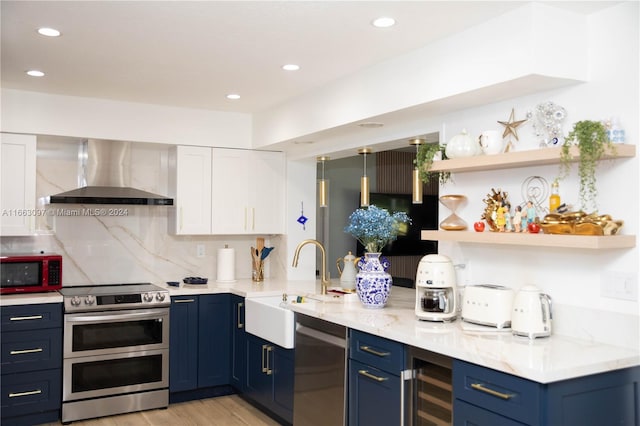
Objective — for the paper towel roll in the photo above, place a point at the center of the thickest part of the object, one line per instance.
(226, 265)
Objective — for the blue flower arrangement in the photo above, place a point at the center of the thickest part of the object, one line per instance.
(374, 227)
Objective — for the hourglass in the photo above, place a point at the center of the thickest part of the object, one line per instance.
(453, 222)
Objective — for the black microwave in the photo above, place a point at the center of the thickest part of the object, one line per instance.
(30, 273)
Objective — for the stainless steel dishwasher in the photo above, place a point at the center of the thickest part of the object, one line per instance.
(320, 380)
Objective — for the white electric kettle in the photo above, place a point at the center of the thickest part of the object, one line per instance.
(531, 315)
(347, 272)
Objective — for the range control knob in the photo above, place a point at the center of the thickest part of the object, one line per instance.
(159, 297)
(75, 301)
(148, 297)
(89, 300)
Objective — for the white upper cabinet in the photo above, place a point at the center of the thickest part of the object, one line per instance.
(248, 192)
(190, 185)
(227, 191)
(18, 184)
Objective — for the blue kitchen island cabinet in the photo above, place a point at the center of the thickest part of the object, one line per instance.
(31, 364)
(238, 344)
(486, 397)
(269, 380)
(375, 365)
(199, 353)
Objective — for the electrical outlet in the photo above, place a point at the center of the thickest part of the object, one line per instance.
(200, 252)
(619, 285)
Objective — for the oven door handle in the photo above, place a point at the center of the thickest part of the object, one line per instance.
(119, 317)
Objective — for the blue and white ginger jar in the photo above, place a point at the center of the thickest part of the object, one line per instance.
(373, 282)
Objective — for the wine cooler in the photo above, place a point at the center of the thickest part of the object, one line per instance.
(429, 399)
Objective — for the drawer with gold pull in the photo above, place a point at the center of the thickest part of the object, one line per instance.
(496, 391)
(376, 351)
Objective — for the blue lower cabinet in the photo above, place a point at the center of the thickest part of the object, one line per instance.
(199, 353)
(31, 381)
(214, 335)
(238, 344)
(375, 365)
(269, 376)
(486, 397)
(374, 396)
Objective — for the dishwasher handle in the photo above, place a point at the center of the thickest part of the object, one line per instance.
(324, 337)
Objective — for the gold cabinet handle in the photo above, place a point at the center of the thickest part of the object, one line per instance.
(17, 394)
(365, 373)
(184, 301)
(269, 370)
(264, 367)
(480, 387)
(373, 351)
(26, 351)
(239, 322)
(32, 317)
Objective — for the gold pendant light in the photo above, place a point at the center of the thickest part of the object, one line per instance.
(364, 180)
(416, 182)
(323, 190)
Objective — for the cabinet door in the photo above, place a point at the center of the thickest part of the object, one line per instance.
(31, 350)
(259, 376)
(470, 415)
(374, 396)
(282, 364)
(238, 344)
(183, 343)
(267, 192)
(232, 176)
(30, 393)
(17, 184)
(31, 317)
(213, 342)
(190, 183)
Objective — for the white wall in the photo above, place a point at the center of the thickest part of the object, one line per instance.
(46, 114)
(510, 47)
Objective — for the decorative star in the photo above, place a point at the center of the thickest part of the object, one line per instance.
(510, 127)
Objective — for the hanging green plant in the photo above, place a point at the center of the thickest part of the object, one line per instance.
(424, 161)
(592, 141)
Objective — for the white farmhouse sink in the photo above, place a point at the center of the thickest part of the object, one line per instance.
(269, 318)
(266, 318)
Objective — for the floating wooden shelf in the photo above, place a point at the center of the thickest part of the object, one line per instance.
(538, 240)
(509, 160)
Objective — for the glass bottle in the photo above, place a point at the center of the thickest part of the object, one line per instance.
(554, 198)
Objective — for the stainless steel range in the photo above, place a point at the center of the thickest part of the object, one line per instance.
(116, 350)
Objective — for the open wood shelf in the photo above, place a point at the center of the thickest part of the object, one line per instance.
(536, 157)
(539, 240)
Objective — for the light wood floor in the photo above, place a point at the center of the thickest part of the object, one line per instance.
(224, 410)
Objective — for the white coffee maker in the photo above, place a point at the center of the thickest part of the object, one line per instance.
(436, 293)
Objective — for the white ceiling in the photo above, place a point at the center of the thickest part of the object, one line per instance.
(191, 54)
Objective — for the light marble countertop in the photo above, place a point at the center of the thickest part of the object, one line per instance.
(543, 360)
(30, 298)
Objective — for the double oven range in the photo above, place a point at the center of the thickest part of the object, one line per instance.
(116, 350)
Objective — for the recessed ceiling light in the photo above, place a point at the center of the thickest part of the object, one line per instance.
(49, 32)
(35, 73)
(233, 96)
(383, 22)
(291, 67)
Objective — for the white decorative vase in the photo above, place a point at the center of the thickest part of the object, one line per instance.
(373, 282)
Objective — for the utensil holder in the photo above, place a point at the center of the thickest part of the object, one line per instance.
(257, 270)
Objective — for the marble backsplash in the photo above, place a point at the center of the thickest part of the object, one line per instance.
(138, 248)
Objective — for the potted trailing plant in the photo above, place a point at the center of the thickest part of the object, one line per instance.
(592, 141)
(374, 227)
(424, 161)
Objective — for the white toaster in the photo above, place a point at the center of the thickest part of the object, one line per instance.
(488, 304)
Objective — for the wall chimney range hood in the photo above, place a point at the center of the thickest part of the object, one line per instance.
(105, 176)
